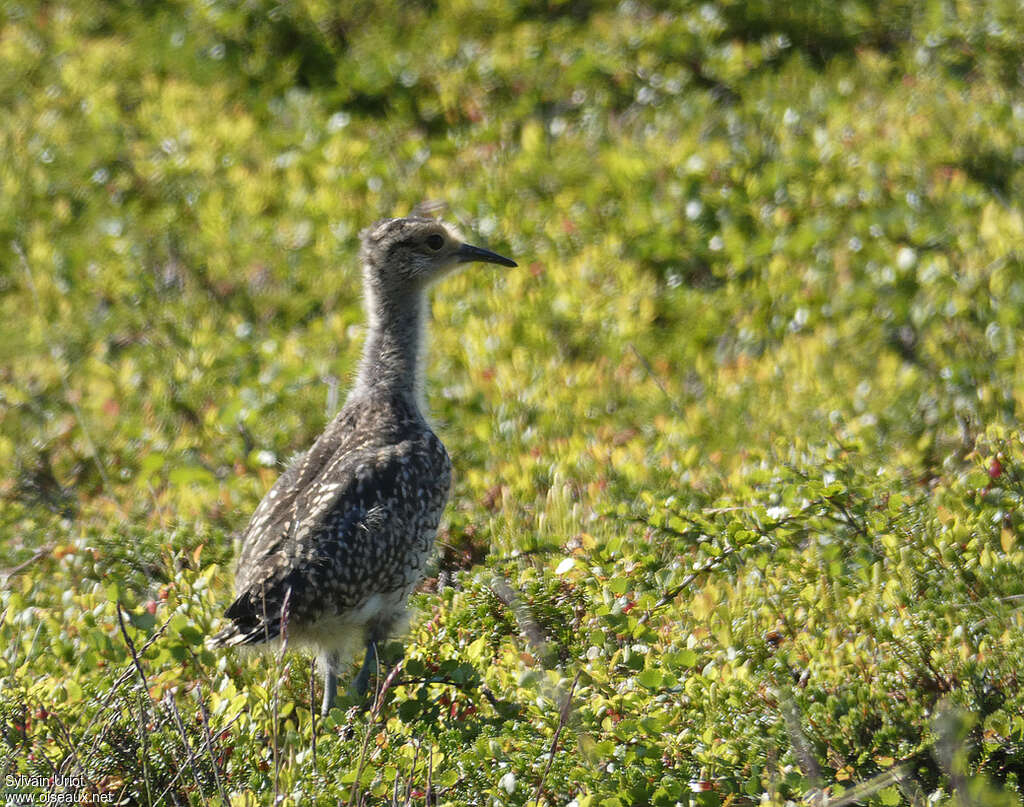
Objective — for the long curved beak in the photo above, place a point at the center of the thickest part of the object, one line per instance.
(467, 253)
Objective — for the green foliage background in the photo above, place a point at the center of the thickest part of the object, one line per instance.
(738, 471)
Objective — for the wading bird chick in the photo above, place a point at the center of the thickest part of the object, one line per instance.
(338, 544)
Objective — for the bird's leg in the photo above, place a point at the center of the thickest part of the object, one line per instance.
(330, 662)
(371, 664)
(362, 680)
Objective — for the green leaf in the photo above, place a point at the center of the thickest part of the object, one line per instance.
(192, 636)
(649, 678)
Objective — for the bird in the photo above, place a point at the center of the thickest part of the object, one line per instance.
(337, 545)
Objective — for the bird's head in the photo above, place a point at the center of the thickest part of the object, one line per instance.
(407, 254)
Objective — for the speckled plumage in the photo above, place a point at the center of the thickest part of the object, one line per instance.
(344, 534)
(360, 507)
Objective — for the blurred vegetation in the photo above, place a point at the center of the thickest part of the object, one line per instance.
(738, 505)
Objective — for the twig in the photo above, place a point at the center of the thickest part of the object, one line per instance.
(312, 711)
(797, 738)
(143, 697)
(909, 787)
(412, 771)
(32, 646)
(848, 518)
(394, 789)
(674, 592)
(378, 703)
(430, 774)
(563, 717)
(863, 791)
(362, 762)
(209, 742)
(181, 766)
(385, 685)
(284, 619)
(117, 685)
(40, 553)
(527, 624)
(172, 783)
(173, 708)
(278, 674)
(462, 686)
(71, 746)
(131, 647)
(161, 511)
(657, 380)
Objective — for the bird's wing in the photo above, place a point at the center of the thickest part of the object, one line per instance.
(348, 535)
(274, 519)
(271, 522)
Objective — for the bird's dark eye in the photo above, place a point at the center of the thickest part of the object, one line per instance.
(435, 242)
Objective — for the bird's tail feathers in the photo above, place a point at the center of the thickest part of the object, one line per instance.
(245, 628)
(234, 635)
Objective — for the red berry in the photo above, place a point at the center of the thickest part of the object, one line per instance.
(995, 468)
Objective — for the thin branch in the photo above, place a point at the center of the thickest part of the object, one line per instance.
(173, 709)
(71, 747)
(209, 743)
(563, 718)
(675, 591)
(144, 696)
(431, 798)
(462, 686)
(792, 718)
(412, 771)
(278, 675)
(863, 791)
(394, 789)
(657, 380)
(121, 680)
(385, 685)
(313, 711)
(40, 553)
(181, 766)
(527, 624)
(362, 762)
(131, 647)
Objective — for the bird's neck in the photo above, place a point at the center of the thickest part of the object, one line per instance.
(393, 354)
